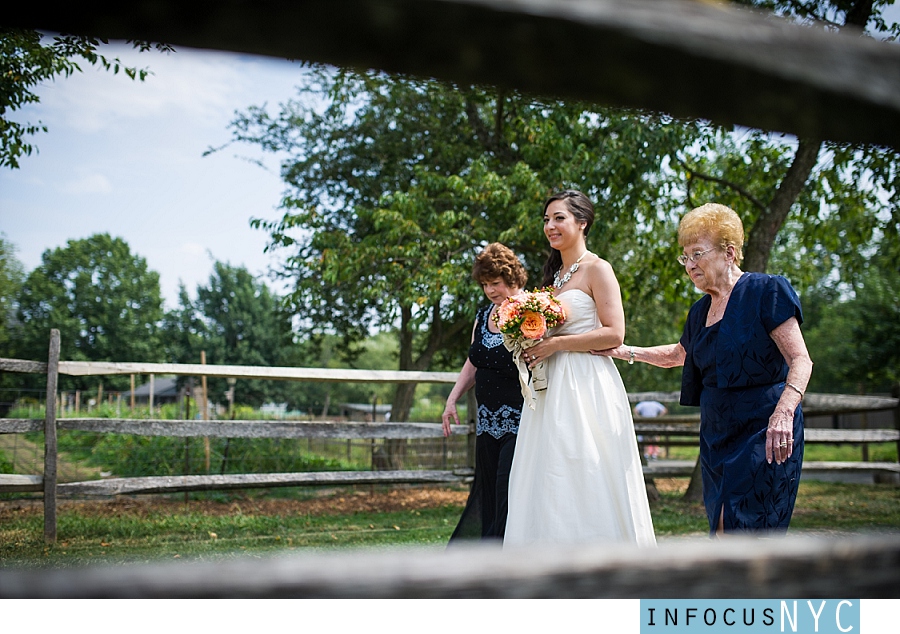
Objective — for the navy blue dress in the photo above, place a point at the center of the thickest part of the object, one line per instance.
(734, 371)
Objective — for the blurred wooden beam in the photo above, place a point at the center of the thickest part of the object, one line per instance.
(861, 567)
(691, 59)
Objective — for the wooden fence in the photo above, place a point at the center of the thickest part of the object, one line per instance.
(669, 430)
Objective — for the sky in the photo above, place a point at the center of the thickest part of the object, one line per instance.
(126, 158)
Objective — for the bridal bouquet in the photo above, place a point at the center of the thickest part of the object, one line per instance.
(524, 319)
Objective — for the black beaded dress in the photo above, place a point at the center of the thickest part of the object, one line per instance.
(499, 410)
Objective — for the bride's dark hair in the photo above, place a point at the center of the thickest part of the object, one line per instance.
(582, 208)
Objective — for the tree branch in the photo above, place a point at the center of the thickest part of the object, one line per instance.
(721, 181)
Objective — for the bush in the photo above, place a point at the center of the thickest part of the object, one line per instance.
(132, 456)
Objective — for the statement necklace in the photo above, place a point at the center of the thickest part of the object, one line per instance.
(557, 282)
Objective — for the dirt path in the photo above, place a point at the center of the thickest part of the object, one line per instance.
(330, 503)
(27, 458)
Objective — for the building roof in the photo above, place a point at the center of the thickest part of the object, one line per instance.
(163, 387)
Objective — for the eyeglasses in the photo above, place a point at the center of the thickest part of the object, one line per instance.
(683, 259)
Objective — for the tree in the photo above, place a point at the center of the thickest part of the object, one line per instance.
(396, 183)
(236, 320)
(11, 277)
(857, 337)
(771, 210)
(103, 299)
(29, 58)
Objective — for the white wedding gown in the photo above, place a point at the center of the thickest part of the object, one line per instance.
(576, 473)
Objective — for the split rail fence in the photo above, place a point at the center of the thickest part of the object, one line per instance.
(665, 431)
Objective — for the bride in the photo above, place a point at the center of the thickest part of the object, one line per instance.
(576, 474)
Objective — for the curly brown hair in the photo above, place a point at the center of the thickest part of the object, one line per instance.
(499, 261)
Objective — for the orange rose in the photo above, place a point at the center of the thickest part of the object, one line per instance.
(534, 326)
(508, 310)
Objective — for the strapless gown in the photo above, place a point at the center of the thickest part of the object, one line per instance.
(576, 474)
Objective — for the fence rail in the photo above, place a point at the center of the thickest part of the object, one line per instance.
(238, 428)
(675, 429)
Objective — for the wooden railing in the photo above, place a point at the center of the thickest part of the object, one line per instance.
(684, 430)
(671, 430)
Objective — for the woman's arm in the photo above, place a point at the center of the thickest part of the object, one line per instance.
(665, 356)
(790, 343)
(464, 382)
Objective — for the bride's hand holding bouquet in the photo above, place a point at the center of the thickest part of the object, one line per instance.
(524, 320)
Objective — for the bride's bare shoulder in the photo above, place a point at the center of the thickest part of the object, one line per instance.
(598, 265)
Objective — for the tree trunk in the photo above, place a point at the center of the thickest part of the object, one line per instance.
(762, 235)
(694, 491)
(400, 408)
(404, 395)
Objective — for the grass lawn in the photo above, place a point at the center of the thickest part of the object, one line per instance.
(262, 523)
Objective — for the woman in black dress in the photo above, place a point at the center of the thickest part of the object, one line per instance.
(490, 369)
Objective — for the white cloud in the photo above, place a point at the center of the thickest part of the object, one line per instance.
(192, 249)
(203, 86)
(88, 184)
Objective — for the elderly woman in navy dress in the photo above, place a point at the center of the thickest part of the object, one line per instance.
(747, 367)
(490, 369)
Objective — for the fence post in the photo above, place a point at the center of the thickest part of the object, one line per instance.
(50, 446)
(896, 394)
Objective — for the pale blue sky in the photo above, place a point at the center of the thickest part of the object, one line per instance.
(126, 158)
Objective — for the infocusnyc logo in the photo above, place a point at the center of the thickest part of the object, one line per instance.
(750, 616)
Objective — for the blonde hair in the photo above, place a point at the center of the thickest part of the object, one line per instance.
(716, 222)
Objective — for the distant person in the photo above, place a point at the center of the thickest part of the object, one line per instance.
(747, 367)
(490, 368)
(650, 409)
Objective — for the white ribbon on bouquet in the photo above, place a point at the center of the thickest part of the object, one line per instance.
(518, 346)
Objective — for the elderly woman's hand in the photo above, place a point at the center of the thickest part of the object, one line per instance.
(619, 352)
(780, 436)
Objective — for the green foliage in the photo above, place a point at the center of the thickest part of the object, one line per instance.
(397, 183)
(135, 456)
(236, 320)
(6, 465)
(11, 276)
(855, 341)
(103, 299)
(28, 59)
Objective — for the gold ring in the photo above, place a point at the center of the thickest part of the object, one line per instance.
(784, 444)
